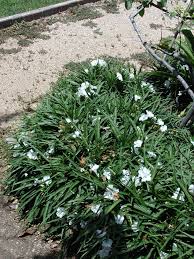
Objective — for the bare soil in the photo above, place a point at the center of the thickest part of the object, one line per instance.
(33, 55)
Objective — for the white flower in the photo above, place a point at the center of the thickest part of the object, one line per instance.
(36, 182)
(82, 170)
(25, 174)
(99, 62)
(136, 180)
(148, 85)
(100, 233)
(144, 174)
(143, 117)
(111, 193)
(134, 226)
(125, 177)
(107, 174)
(31, 154)
(60, 212)
(151, 154)
(160, 122)
(163, 255)
(106, 248)
(163, 128)
(83, 224)
(47, 180)
(146, 116)
(174, 247)
(96, 209)
(191, 188)
(131, 76)
(119, 219)
(178, 195)
(68, 120)
(119, 77)
(179, 93)
(150, 114)
(138, 143)
(94, 168)
(137, 97)
(76, 134)
(82, 89)
(86, 71)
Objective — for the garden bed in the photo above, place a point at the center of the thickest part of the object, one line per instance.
(103, 148)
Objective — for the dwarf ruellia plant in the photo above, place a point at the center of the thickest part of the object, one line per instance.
(102, 165)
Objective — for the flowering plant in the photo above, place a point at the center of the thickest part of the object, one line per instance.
(107, 172)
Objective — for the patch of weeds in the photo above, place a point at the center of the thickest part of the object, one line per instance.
(25, 32)
(155, 26)
(90, 24)
(97, 31)
(42, 52)
(144, 59)
(79, 13)
(110, 6)
(9, 51)
(24, 42)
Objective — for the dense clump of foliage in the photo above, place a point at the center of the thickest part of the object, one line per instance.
(102, 165)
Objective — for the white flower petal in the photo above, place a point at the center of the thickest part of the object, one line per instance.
(150, 114)
(60, 212)
(76, 134)
(47, 180)
(144, 174)
(163, 255)
(134, 226)
(151, 154)
(119, 77)
(160, 122)
(178, 195)
(119, 219)
(136, 180)
(131, 76)
(138, 143)
(94, 168)
(191, 189)
(111, 193)
(137, 97)
(143, 117)
(98, 62)
(163, 128)
(68, 120)
(31, 154)
(96, 209)
(107, 174)
(125, 177)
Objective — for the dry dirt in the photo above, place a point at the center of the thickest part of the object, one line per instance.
(31, 58)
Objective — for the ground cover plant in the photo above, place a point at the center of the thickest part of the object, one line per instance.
(102, 165)
(11, 7)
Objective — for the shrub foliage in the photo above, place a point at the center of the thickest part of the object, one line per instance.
(102, 165)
